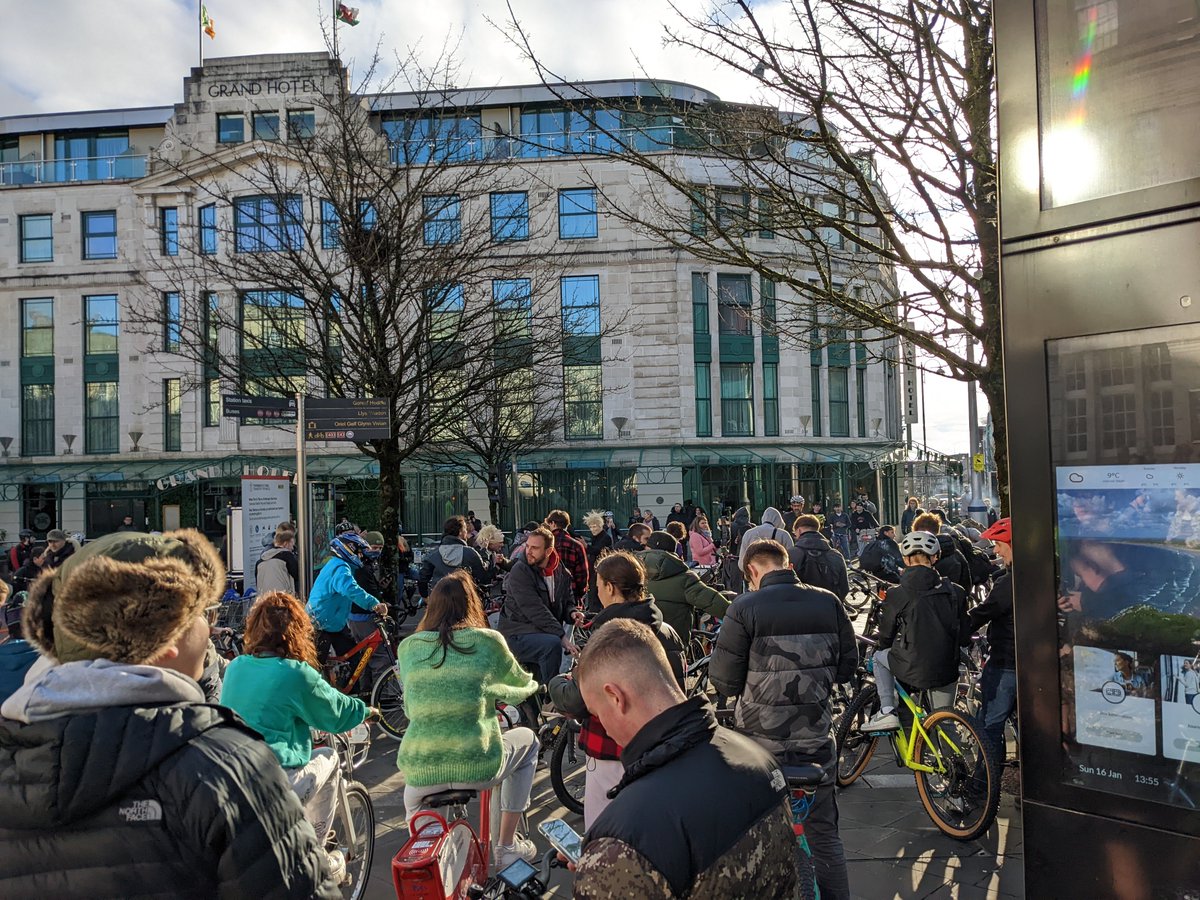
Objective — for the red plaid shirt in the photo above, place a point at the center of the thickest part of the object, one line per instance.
(595, 742)
(574, 556)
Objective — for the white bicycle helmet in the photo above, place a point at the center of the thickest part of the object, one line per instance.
(919, 542)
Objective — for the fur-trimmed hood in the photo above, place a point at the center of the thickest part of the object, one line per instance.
(124, 597)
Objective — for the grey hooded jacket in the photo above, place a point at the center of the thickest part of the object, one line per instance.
(771, 529)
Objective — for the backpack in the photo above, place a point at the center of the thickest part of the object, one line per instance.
(271, 573)
(443, 567)
(815, 569)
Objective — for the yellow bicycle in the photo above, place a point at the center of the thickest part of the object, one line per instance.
(953, 761)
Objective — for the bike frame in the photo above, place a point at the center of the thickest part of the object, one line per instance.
(367, 646)
(905, 744)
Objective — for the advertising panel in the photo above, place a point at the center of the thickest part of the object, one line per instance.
(1128, 557)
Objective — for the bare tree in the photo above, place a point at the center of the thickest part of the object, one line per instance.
(870, 161)
(366, 255)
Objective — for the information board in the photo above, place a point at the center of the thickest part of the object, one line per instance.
(266, 501)
(1128, 556)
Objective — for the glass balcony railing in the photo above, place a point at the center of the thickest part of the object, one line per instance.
(60, 171)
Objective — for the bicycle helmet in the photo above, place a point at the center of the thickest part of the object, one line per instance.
(350, 547)
(919, 542)
(25, 533)
(1001, 531)
(796, 499)
(345, 527)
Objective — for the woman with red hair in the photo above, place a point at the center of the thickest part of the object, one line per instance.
(278, 689)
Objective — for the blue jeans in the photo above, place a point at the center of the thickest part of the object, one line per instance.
(999, 688)
(841, 541)
(540, 652)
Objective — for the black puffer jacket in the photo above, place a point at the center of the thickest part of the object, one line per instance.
(181, 800)
(700, 812)
(951, 563)
(996, 612)
(819, 565)
(781, 649)
(924, 623)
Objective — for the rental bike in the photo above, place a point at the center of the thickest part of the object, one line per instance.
(952, 760)
(387, 694)
(353, 827)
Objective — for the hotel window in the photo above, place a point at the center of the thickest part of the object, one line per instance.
(1076, 424)
(208, 229)
(231, 128)
(1118, 421)
(100, 235)
(446, 304)
(264, 224)
(580, 305)
(37, 327)
(331, 226)
(839, 401)
(771, 399)
(733, 304)
(37, 238)
(703, 376)
(766, 219)
(737, 400)
(211, 329)
(860, 381)
(583, 402)
(1156, 362)
(302, 124)
(172, 414)
(1115, 367)
(172, 322)
(1074, 376)
(1162, 418)
(266, 126)
(698, 201)
(514, 310)
(37, 420)
(168, 228)
(272, 320)
(733, 211)
(101, 418)
(443, 221)
(815, 358)
(100, 324)
(577, 214)
(700, 303)
(510, 216)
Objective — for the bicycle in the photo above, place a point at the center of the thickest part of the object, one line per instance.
(952, 760)
(355, 818)
(387, 694)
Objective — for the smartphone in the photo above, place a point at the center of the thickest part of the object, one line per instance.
(517, 873)
(563, 838)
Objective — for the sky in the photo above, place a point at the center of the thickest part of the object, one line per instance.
(102, 54)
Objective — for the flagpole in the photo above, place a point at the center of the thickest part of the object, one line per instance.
(334, 4)
(200, 30)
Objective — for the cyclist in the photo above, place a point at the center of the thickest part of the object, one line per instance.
(25, 576)
(452, 555)
(923, 627)
(817, 563)
(16, 654)
(454, 670)
(998, 684)
(277, 688)
(700, 810)
(335, 592)
(621, 587)
(951, 563)
(361, 622)
(537, 606)
(782, 647)
(881, 557)
(112, 755)
(677, 590)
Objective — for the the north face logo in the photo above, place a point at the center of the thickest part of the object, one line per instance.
(141, 811)
(778, 782)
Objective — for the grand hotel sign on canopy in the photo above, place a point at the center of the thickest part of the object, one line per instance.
(214, 471)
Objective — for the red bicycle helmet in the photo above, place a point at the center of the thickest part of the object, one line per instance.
(1001, 531)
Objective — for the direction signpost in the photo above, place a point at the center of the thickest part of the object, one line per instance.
(355, 419)
(242, 407)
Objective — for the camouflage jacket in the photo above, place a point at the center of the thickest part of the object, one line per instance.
(701, 812)
(780, 650)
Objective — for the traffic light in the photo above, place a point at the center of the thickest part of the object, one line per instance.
(495, 491)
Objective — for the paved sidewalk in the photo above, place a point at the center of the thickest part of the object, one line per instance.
(893, 850)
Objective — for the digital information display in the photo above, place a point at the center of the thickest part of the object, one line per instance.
(1128, 554)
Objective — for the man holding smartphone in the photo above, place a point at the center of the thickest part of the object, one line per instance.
(661, 837)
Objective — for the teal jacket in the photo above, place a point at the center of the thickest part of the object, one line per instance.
(334, 591)
(283, 700)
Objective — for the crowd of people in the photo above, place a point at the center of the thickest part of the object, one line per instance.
(227, 794)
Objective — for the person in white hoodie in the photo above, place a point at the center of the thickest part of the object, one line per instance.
(120, 781)
(771, 529)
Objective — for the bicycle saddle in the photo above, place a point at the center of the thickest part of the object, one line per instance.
(448, 798)
(807, 775)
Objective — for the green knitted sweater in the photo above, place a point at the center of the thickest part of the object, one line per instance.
(453, 735)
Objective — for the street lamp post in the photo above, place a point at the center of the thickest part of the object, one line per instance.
(976, 482)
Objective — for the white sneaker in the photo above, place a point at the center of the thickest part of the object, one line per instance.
(882, 721)
(337, 866)
(522, 848)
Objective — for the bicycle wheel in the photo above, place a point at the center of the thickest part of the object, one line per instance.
(695, 678)
(361, 813)
(567, 769)
(388, 697)
(855, 748)
(963, 798)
